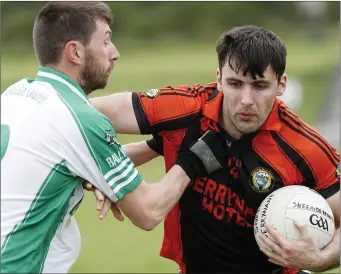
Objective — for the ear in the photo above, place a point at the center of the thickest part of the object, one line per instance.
(282, 85)
(74, 52)
(219, 82)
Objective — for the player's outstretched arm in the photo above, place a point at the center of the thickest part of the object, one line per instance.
(154, 110)
(148, 204)
(96, 156)
(139, 152)
(118, 107)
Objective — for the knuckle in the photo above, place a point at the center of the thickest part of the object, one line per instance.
(287, 249)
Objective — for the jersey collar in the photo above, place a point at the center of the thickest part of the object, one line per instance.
(213, 106)
(272, 122)
(46, 73)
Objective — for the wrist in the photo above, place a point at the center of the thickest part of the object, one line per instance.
(182, 171)
(321, 263)
(189, 164)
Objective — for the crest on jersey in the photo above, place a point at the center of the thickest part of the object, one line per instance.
(261, 180)
(110, 137)
(337, 172)
(152, 93)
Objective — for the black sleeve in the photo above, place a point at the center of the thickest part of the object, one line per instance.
(141, 118)
(330, 190)
(156, 144)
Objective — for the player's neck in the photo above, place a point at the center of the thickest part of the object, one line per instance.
(70, 72)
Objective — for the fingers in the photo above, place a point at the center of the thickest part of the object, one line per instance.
(275, 235)
(269, 244)
(301, 228)
(99, 199)
(273, 256)
(87, 186)
(117, 212)
(104, 210)
(274, 262)
(103, 204)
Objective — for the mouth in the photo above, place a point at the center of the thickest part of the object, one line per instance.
(111, 68)
(245, 116)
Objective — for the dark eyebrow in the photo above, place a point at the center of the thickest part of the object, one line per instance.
(260, 81)
(264, 82)
(233, 79)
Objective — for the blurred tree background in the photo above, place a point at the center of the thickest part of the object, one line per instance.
(152, 21)
(173, 43)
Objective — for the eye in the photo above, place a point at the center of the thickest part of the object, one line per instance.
(235, 84)
(260, 86)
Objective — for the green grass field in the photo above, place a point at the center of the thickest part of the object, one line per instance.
(111, 246)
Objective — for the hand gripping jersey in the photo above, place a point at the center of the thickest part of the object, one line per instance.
(51, 140)
(211, 228)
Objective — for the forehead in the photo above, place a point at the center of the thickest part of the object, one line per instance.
(102, 29)
(228, 72)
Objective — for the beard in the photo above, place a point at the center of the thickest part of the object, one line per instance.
(92, 75)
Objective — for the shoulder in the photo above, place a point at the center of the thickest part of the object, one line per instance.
(77, 112)
(304, 137)
(170, 108)
(180, 90)
(20, 85)
(309, 150)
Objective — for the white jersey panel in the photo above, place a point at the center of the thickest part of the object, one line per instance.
(28, 178)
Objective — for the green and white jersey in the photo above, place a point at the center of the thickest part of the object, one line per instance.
(51, 140)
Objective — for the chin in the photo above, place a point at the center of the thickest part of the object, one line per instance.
(247, 129)
(101, 85)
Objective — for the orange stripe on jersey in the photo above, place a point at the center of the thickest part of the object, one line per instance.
(320, 163)
(267, 148)
(310, 137)
(311, 132)
(170, 105)
(303, 169)
(169, 108)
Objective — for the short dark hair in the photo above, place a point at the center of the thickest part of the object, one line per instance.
(251, 49)
(58, 23)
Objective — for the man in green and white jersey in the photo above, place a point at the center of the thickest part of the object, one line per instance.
(52, 140)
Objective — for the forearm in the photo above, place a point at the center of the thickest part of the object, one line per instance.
(164, 195)
(331, 253)
(140, 153)
(149, 204)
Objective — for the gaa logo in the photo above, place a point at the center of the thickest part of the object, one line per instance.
(319, 221)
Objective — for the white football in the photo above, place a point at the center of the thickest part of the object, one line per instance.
(302, 204)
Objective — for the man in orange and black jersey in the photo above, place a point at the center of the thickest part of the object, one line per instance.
(211, 228)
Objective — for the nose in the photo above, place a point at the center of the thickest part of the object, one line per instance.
(114, 54)
(246, 95)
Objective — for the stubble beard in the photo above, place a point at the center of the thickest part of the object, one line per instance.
(92, 75)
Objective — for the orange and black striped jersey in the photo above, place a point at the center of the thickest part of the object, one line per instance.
(211, 228)
(171, 108)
